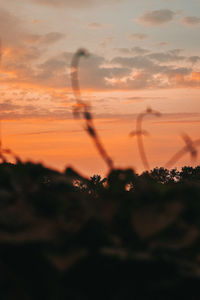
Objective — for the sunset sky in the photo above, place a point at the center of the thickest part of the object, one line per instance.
(143, 53)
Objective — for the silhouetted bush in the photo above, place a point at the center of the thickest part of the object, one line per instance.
(59, 240)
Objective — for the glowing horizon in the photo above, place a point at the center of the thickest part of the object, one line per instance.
(149, 57)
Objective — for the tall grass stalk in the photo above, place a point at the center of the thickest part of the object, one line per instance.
(191, 147)
(83, 108)
(139, 132)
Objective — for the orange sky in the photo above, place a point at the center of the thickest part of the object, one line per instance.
(142, 54)
(62, 143)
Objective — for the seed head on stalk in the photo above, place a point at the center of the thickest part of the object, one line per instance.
(190, 147)
(82, 108)
(139, 132)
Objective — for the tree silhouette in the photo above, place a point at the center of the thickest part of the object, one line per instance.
(190, 174)
(96, 184)
(161, 175)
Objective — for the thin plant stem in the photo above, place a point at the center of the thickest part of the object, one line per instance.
(191, 148)
(140, 132)
(83, 108)
(140, 141)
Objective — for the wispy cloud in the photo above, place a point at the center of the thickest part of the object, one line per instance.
(162, 44)
(191, 20)
(107, 41)
(182, 118)
(75, 3)
(194, 59)
(97, 25)
(170, 56)
(157, 17)
(138, 36)
(132, 51)
(45, 39)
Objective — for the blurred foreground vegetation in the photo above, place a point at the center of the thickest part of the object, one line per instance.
(126, 236)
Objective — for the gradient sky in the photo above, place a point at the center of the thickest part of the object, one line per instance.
(142, 53)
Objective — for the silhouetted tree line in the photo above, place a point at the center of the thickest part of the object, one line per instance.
(126, 236)
(97, 184)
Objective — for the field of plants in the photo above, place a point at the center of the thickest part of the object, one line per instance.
(126, 236)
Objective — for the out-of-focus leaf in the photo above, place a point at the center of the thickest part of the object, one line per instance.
(190, 237)
(148, 220)
(64, 262)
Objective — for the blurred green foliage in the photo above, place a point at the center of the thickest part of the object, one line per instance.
(127, 236)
